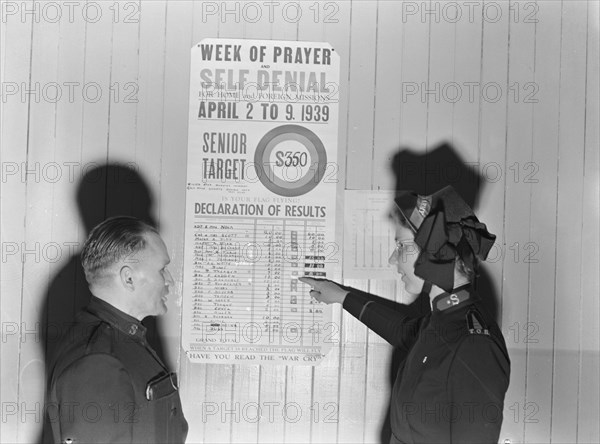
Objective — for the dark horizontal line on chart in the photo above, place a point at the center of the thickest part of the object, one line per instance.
(261, 121)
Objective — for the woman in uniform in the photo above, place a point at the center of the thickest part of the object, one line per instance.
(455, 369)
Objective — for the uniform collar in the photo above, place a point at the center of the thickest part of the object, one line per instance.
(116, 318)
(458, 297)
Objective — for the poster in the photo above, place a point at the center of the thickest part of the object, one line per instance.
(369, 235)
(260, 201)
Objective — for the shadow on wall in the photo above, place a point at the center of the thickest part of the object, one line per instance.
(425, 173)
(104, 191)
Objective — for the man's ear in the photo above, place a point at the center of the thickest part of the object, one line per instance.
(126, 277)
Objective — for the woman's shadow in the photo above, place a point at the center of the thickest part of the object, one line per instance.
(425, 173)
(103, 191)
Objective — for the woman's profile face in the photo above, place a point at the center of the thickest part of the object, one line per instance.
(404, 257)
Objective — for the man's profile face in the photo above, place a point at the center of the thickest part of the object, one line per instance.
(152, 277)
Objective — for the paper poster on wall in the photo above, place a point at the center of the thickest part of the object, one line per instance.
(368, 234)
(260, 201)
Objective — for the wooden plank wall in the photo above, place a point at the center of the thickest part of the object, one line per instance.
(526, 115)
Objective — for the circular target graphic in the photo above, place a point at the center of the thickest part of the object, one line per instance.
(265, 167)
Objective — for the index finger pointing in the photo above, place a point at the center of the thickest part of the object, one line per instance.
(308, 280)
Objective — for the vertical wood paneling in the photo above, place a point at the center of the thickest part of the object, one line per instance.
(309, 26)
(588, 406)
(122, 108)
(203, 26)
(122, 112)
(36, 271)
(492, 152)
(224, 377)
(254, 22)
(16, 59)
(325, 391)
(65, 220)
(96, 41)
(148, 157)
(282, 29)
(231, 25)
(492, 137)
(150, 101)
(517, 203)
(361, 87)
(298, 405)
(537, 333)
(359, 175)
(327, 380)
(180, 18)
(571, 138)
(538, 330)
(442, 38)
(388, 92)
(246, 380)
(337, 32)
(3, 50)
(415, 72)
(217, 403)
(271, 426)
(95, 137)
(352, 377)
(467, 69)
(299, 379)
(377, 383)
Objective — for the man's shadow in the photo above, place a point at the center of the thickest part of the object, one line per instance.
(103, 191)
(425, 173)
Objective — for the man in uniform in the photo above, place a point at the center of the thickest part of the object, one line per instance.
(107, 383)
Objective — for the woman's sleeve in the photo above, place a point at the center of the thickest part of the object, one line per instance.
(477, 382)
(395, 325)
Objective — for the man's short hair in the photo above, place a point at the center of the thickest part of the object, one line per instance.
(111, 241)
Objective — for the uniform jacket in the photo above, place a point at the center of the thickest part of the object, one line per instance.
(108, 385)
(454, 372)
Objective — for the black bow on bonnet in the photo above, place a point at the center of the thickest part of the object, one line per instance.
(445, 228)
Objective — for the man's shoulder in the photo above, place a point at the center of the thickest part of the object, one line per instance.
(92, 378)
(88, 336)
(90, 333)
(90, 363)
